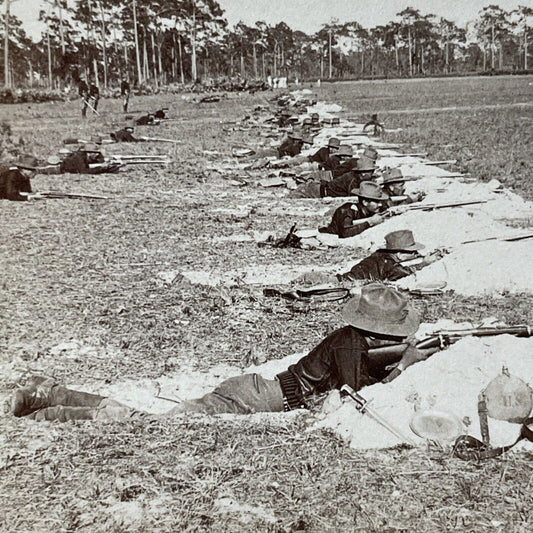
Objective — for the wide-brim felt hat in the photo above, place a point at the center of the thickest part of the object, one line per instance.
(334, 143)
(370, 152)
(296, 135)
(307, 139)
(383, 310)
(370, 190)
(365, 164)
(401, 241)
(394, 175)
(344, 151)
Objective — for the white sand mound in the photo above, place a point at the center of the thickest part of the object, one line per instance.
(450, 381)
(481, 268)
(501, 204)
(323, 108)
(434, 229)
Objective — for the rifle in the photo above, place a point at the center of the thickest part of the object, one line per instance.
(61, 195)
(382, 356)
(421, 154)
(445, 162)
(508, 238)
(91, 107)
(159, 139)
(451, 175)
(419, 206)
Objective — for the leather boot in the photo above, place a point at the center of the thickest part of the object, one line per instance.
(34, 396)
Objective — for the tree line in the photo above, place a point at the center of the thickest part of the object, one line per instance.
(158, 42)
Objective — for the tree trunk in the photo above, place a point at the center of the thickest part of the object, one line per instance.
(330, 57)
(136, 36)
(501, 57)
(6, 46)
(154, 66)
(182, 74)
(61, 33)
(525, 46)
(145, 59)
(410, 54)
(255, 62)
(492, 48)
(321, 65)
(49, 58)
(193, 43)
(173, 56)
(263, 62)
(243, 73)
(104, 54)
(447, 49)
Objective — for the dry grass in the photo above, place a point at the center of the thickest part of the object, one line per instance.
(87, 271)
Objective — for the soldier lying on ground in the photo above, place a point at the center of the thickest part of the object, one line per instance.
(147, 120)
(125, 135)
(324, 153)
(161, 113)
(12, 183)
(291, 146)
(339, 186)
(378, 128)
(340, 359)
(351, 218)
(394, 185)
(79, 162)
(399, 258)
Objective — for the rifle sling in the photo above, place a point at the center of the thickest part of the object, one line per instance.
(469, 448)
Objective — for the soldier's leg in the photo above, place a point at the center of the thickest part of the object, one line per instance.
(84, 108)
(105, 411)
(245, 394)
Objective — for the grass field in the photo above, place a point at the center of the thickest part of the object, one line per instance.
(87, 272)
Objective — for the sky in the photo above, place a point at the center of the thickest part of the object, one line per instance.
(309, 15)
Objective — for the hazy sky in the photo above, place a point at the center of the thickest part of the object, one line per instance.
(309, 15)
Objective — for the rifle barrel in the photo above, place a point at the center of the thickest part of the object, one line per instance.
(381, 356)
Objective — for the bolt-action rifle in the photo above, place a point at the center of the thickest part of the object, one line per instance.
(381, 356)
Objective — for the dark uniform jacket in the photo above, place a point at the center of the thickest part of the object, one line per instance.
(290, 147)
(340, 359)
(94, 91)
(345, 167)
(342, 186)
(379, 266)
(78, 162)
(331, 163)
(12, 183)
(123, 136)
(145, 120)
(124, 88)
(83, 89)
(320, 156)
(342, 221)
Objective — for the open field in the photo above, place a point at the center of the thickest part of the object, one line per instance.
(84, 298)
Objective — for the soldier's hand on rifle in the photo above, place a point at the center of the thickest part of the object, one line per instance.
(376, 219)
(413, 355)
